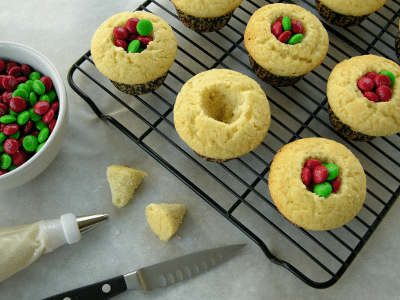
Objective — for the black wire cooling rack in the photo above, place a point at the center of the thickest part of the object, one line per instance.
(317, 258)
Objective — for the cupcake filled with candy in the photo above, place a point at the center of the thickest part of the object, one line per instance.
(317, 183)
(285, 42)
(363, 96)
(134, 50)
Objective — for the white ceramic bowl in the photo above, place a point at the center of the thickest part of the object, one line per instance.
(41, 160)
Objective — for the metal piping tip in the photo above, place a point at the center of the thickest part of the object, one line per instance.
(87, 223)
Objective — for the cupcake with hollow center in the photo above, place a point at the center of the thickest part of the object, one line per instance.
(279, 63)
(304, 207)
(134, 73)
(222, 114)
(353, 115)
(346, 13)
(205, 15)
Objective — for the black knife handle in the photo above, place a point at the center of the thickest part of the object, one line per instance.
(98, 291)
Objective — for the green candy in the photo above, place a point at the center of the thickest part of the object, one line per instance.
(286, 24)
(29, 83)
(12, 167)
(15, 135)
(33, 116)
(45, 98)
(23, 118)
(40, 147)
(24, 86)
(145, 27)
(297, 38)
(32, 98)
(3, 137)
(1, 148)
(8, 119)
(13, 113)
(30, 143)
(40, 125)
(21, 93)
(43, 135)
(133, 46)
(34, 76)
(323, 189)
(6, 161)
(333, 171)
(390, 75)
(39, 87)
(52, 95)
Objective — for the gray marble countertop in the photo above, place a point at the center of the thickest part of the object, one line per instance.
(76, 183)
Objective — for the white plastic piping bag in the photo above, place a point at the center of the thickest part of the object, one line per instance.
(22, 245)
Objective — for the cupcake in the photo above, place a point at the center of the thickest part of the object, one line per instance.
(285, 42)
(205, 15)
(317, 184)
(134, 50)
(346, 13)
(222, 114)
(364, 98)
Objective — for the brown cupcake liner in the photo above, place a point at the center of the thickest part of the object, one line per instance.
(203, 24)
(397, 45)
(338, 19)
(140, 89)
(272, 79)
(345, 131)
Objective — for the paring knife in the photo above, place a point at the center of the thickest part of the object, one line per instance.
(154, 277)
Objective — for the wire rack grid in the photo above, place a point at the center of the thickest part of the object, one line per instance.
(319, 259)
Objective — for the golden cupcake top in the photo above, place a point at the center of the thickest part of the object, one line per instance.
(222, 114)
(304, 207)
(350, 103)
(354, 8)
(206, 8)
(134, 68)
(285, 59)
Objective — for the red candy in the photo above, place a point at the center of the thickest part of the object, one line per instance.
(371, 75)
(52, 124)
(10, 65)
(27, 127)
(320, 174)
(15, 71)
(384, 93)
(48, 116)
(131, 25)
(10, 129)
(18, 158)
(285, 36)
(121, 43)
(2, 65)
(306, 176)
(120, 33)
(297, 27)
(48, 84)
(312, 163)
(6, 97)
(17, 104)
(144, 40)
(10, 83)
(371, 96)
(3, 109)
(365, 84)
(26, 70)
(41, 107)
(277, 29)
(382, 80)
(10, 146)
(335, 183)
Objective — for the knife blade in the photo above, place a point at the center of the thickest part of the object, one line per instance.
(153, 277)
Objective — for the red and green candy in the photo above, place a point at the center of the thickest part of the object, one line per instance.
(287, 31)
(377, 88)
(322, 179)
(135, 36)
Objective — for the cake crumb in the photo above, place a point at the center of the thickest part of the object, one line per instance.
(118, 232)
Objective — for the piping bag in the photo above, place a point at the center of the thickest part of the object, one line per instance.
(22, 245)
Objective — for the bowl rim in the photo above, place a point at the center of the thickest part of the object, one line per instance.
(61, 95)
